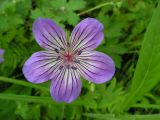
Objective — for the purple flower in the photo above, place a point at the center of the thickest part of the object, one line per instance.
(65, 60)
(1, 55)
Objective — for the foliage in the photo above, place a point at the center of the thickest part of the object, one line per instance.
(146, 73)
(132, 94)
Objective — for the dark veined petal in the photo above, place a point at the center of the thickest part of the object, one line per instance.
(96, 66)
(66, 86)
(87, 35)
(41, 66)
(48, 34)
(1, 55)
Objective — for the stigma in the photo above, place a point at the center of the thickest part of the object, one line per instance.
(68, 57)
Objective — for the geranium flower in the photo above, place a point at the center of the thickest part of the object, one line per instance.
(1, 55)
(64, 61)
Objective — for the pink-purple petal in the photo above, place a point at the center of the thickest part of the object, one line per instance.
(1, 51)
(41, 66)
(87, 35)
(48, 35)
(1, 60)
(1, 55)
(66, 86)
(96, 67)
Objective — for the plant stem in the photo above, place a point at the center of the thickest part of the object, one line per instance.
(23, 83)
(26, 98)
(96, 7)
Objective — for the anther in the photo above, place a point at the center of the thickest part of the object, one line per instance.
(67, 66)
(76, 52)
(74, 68)
(62, 49)
(61, 67)
(79, 52)
(68, 45)
(76, 61)
(58, 58)
(56, 50)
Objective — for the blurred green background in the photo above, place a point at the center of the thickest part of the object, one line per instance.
(132, 39)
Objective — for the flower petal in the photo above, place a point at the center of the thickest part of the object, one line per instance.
(1, 55)
(87, 35)
(48, 34)
(96, 66)
(66, 86)
(1, 60)
(1, 52)
(41, 66)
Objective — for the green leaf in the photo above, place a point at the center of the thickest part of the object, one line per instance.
(23, 110)
(153, 106)
(147, 70)
(76, 5)
(72, 18)
(123, 117)
(36, 13)
(8, 113)
(59, 4)
(101, 116)
(65, 10)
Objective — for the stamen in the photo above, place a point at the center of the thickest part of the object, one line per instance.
(61, 67)
(68, 66)
(76, 61)
(68, 45)
(74, 68)
(62, 49)
(76, 52)
(56, 50)
(79, 52)
(58, 58)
